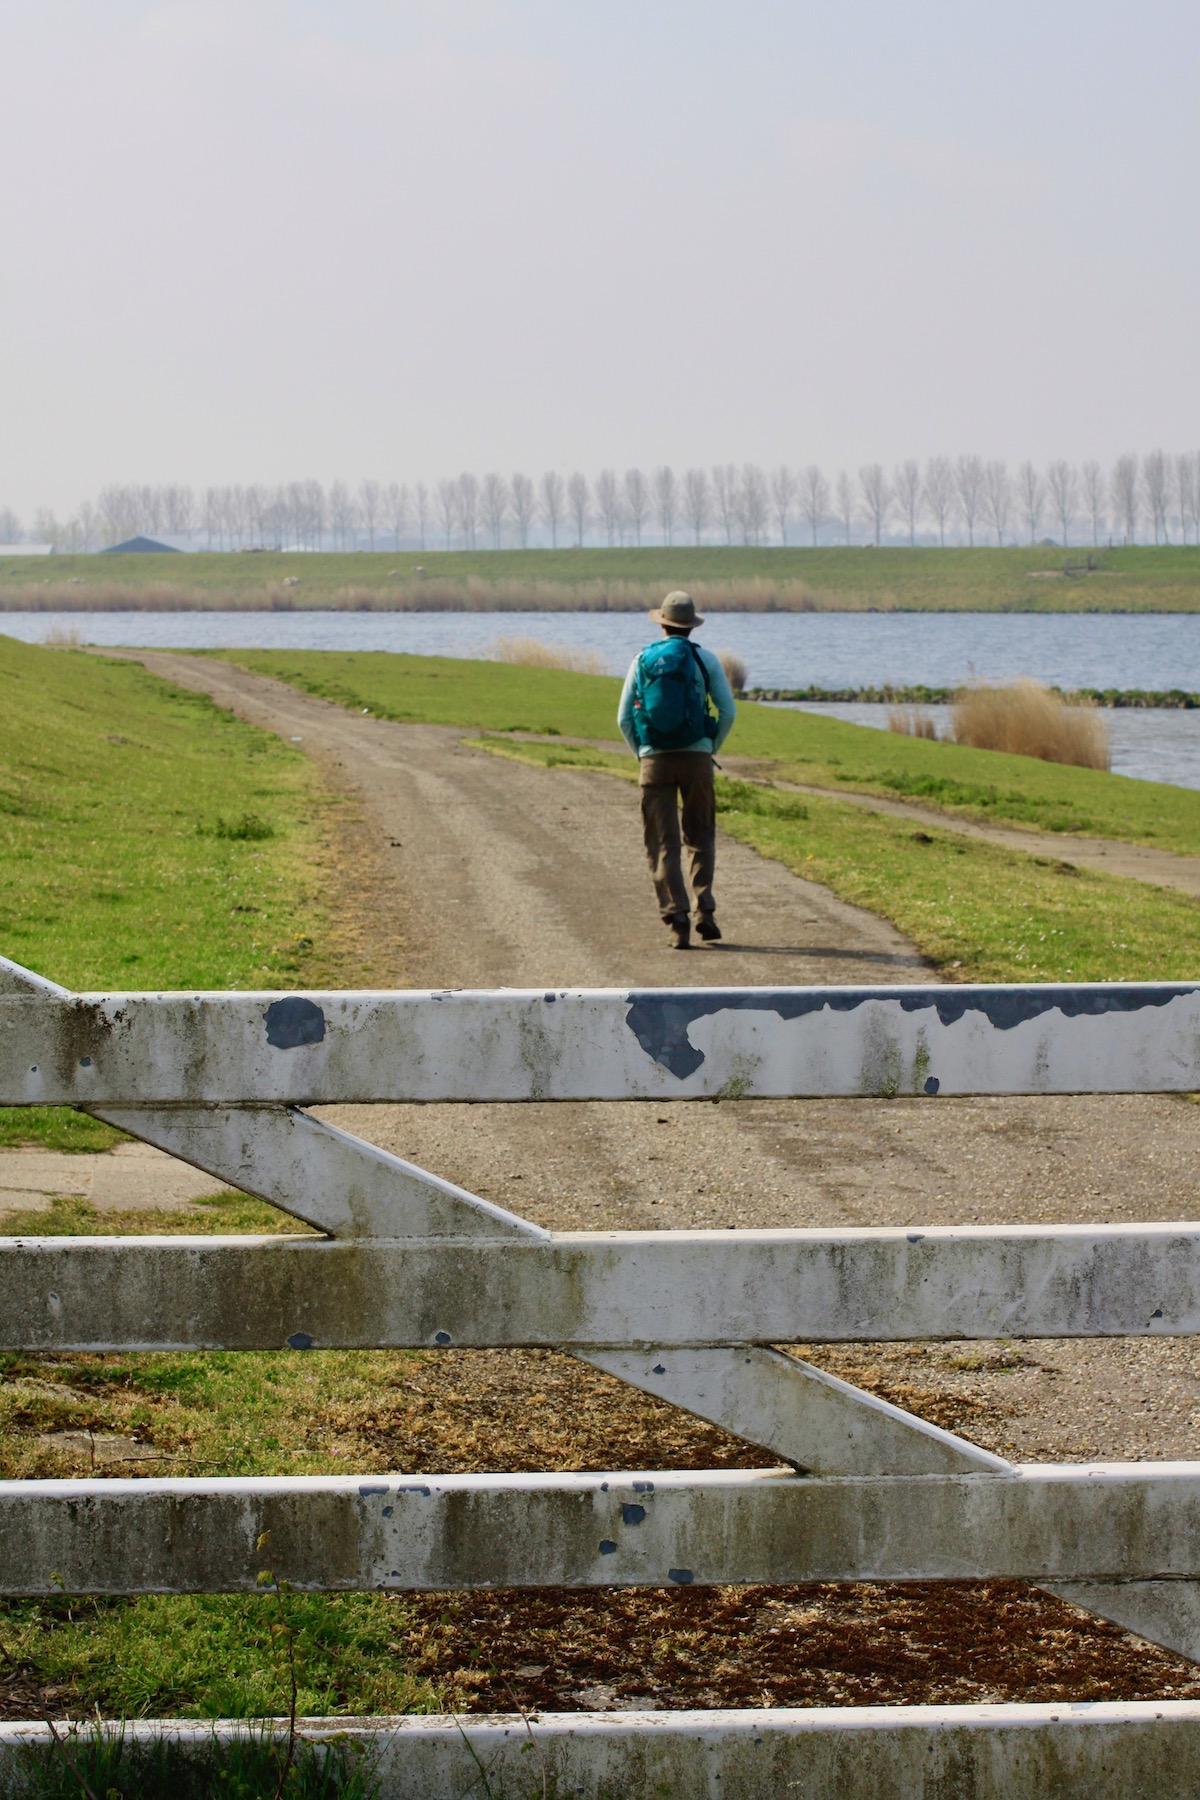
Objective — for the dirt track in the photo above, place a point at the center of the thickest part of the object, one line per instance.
(499, 874)
(471, 870)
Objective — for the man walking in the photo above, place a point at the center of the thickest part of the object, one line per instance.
(676, 711)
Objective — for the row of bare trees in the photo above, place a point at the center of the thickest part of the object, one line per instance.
(965, 498)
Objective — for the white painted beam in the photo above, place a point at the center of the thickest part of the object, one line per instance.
(1063, 1751)
(1041, 1523)
(326, 1177)
(257, 1049)
(603, 1290)
(811, 1419)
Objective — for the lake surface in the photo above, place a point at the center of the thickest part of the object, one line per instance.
(780, 650)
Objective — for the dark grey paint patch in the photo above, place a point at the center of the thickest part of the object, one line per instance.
(661, 1020)
(607, 1547)
(368, 1493)
(658, 1369)
(293, 1022)
(631, 1513)
(85, 1062)
(932, 1085)
(300, 1340)
(441, 1337)
(684, 1577)
(643, 1487)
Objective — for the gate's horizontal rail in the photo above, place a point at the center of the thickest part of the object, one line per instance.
(603, 1289)
(231, 1049)
(1090, 1751)
(1108, 1522)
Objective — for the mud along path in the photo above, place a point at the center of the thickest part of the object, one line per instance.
(483, 872)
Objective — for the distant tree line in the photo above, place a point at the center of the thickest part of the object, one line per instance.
(963, 499)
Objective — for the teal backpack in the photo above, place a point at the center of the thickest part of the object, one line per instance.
(671, 708)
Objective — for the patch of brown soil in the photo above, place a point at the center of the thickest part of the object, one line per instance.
(563, 1651)
(488, 1411)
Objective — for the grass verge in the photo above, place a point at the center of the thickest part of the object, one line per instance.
(977, 910)
(984, 785)
(147, 840)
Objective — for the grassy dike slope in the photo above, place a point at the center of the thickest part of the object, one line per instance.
(976, 784)
(148, 839)
(1141, 578)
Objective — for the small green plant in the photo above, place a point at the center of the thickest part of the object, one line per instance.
(250, 828)
(98, 1762)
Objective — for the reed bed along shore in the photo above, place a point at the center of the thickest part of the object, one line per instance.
(1021, 718)
(471, 595)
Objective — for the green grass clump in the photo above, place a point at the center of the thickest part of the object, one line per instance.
(216, 1656)
(147, 840)
(977, 910)
(248, 1767)
(805, 747)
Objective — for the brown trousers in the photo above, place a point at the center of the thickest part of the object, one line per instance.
(686, 776)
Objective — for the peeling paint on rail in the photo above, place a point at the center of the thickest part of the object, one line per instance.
(245, 1049)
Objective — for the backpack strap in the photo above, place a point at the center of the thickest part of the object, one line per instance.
(710, 724)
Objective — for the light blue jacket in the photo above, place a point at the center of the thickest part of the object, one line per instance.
(718, 687)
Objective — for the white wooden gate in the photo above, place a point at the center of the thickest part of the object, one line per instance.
(866, 1491)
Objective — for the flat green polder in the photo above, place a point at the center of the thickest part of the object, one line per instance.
(1140, 578)
(802, 747)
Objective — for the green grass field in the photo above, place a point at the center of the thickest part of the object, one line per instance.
(1137, 579)
(798, 746)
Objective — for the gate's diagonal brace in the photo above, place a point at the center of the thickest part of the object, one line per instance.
(323, 1176)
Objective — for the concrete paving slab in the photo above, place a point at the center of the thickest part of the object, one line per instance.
(129, 1178)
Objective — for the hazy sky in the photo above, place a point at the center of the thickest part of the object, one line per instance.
(274, 238)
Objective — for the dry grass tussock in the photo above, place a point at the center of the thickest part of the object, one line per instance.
(912, 721)
(531, 653)
(63, 637)
(1026, 719)
(735, 669)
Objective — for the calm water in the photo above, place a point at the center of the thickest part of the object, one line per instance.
(779, 649)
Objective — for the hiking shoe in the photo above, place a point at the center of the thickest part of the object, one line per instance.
(707, 928)
(681, 934)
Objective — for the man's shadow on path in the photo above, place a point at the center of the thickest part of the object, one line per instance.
(899, 959)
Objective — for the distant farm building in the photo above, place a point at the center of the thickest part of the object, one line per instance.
(138, 543)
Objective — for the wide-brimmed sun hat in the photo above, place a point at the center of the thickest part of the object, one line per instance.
(677, 609)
